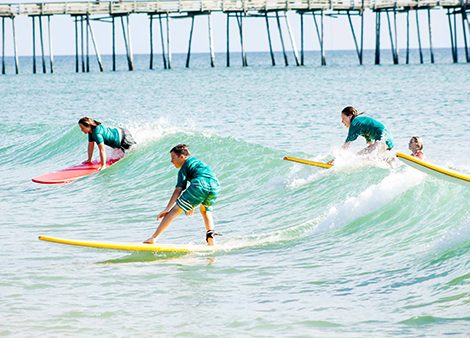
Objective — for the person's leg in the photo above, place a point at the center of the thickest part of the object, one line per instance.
(166, 221)
(127, 141)
(369, 149)
(208, 223)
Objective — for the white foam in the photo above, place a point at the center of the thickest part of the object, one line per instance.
(371, 199)
(149, 132)
(297, 174)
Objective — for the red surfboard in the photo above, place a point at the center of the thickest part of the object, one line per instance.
(72, 174)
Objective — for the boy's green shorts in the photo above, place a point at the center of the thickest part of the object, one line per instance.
(201, 191)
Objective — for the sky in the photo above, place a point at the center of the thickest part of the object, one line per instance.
(337, 33)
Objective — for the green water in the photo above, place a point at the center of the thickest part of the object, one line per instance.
(358, 250)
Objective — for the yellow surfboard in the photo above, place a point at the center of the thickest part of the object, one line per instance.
(126, 246)
(434, 170)
(308, 162)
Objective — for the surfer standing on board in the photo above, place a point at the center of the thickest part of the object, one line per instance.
(203, 191)
(416, 147)
(117, 138)
(377, 136)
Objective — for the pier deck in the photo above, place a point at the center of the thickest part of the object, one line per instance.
(192, 6)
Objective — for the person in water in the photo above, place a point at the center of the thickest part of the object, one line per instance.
(377, 136)
(117, 138)
(203, 191)
(416, 147)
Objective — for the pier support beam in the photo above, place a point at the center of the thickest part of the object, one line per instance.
(455, 38)
(114, 41)
(34, 43)
(211, 40)
(362, 33)
(162, 41)
(151, 40)
(392, 39)
(242, 44)
(127, 42)
(15, 47)
(453, 45)
(407, 36)
(377, 37)
(95, 46)
(188, 56)
(227, 55)
(76, 44)
(3, 46)
(292, 41)
(168, 42)
(82, 33)
(43, 58)
(51, 55)
(419, 38)
(87, 43)
(282, 39)
(273, 60)
(301, 38)
(320, 35)
(464, 30)
(431, 52)
(359, 50)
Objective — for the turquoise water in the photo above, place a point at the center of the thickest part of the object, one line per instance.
(358, 250)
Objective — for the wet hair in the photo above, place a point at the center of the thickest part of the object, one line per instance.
(89, 122)
(181, 149)
(419, 141)
(350, 111)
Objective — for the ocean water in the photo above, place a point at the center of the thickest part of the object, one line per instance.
(358, 250)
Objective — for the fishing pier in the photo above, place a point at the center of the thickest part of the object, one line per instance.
(162, 13)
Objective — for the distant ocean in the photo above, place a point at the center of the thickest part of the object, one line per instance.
(360, 250)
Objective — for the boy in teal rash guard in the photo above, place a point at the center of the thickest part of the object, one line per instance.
(203, 191)
(117, 138)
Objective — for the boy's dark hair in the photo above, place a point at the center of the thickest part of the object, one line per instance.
(181, 149)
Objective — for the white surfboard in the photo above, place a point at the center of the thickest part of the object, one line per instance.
(435, 170)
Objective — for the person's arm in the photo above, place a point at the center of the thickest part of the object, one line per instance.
(91, 147)
(346, 145)
(171, 203)
(102, 156)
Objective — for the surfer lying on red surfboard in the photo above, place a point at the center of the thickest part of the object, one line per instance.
(117, 138)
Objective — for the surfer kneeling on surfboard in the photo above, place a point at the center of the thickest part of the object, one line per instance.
(416, 147)
(117, 138)
(203, 191)
(377, 136)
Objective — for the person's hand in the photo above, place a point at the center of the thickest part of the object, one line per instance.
(150, 240)
(332, 162)
(163, 214)
(190, 212)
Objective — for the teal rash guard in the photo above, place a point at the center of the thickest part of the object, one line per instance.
(108, 136)
(371, 129)
(194, 169)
